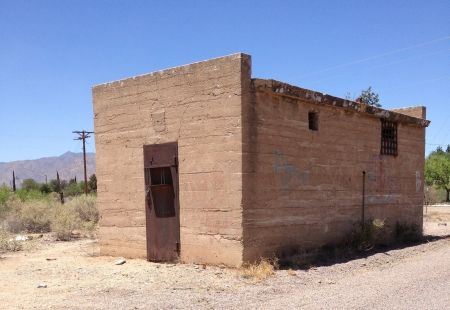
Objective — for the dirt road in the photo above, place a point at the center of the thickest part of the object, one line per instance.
(416, 277)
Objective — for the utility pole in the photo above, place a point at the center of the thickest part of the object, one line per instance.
(83, 135)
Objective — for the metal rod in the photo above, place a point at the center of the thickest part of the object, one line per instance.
(363, 194)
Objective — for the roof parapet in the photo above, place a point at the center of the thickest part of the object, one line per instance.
(282, 89)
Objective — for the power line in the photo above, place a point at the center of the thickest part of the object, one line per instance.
(440, 129)
(372, 57)
(376, 67)
(447, 135)
(19, 136)
(421, 82)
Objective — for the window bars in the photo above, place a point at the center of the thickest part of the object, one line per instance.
(388, 138)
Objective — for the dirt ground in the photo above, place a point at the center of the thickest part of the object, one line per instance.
(74, 276)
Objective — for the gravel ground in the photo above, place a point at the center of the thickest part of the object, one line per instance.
(415, 277)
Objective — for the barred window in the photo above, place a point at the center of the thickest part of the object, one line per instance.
(388, 138)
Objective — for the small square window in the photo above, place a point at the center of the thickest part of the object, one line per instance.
(388, 138)
(313, 120)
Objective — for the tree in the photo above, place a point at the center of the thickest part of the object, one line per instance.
(437, 171)
(92, 183)
(54, 185)
(73, 181)
(45, 188)
(370, 98)
(29, 184)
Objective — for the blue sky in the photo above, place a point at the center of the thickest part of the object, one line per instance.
(53, 52)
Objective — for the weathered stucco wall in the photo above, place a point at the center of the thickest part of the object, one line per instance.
(303, 188)
(253, 178)
(198, 105)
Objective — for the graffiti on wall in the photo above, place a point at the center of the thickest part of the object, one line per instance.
(382, 186)
(418, 181)
(291, 176)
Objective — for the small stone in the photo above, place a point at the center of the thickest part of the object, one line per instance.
(42, 285)
(120, 262)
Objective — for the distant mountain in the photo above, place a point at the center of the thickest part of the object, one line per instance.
(68, 166)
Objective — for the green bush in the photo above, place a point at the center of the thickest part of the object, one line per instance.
(74, 189)
(28, 184)
(31, 194)
(5, 192)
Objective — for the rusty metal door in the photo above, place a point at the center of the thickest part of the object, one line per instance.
(161, 202)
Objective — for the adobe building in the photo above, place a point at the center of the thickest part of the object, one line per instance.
(204, 164)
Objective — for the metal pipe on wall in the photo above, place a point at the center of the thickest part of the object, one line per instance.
(363, 195)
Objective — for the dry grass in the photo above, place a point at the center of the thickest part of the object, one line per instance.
(8, 241)
(34, 216)
(261, 270)
(439, 216)
(41, 216)
(291, 272)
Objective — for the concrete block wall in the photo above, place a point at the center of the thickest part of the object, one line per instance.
(303, 188)
(198, 105)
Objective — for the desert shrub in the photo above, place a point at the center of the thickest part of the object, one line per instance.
(48, 215)
(65, 221)
(85, 208)
(33, 216)
(407, 232)
(366, 237)
(78, 213)
(37, 216)
(261, 270)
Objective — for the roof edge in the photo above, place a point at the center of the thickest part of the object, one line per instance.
(232, 56)
(283, 89)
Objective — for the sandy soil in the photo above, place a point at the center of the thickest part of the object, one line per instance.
(76, 277)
